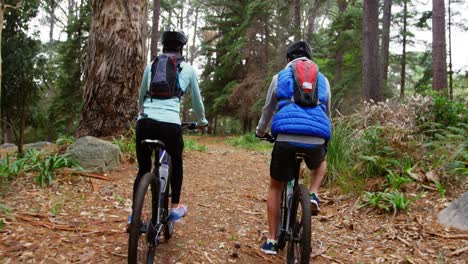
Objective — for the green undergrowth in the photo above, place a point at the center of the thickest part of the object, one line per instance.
(190, 144)
(407, 144)
(44, 166)
(126, 143)
(250, 142)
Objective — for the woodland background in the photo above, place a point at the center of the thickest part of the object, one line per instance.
(74, 84)
(398, 153)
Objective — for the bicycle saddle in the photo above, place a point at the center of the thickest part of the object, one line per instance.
(153, 143)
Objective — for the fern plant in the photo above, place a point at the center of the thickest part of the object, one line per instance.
(395, 182)
(49, 165)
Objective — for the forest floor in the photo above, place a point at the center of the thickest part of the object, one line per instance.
(79, 220)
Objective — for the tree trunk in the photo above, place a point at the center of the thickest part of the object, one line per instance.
(155, 29)
(387, 18)
(297, 20)
(3, 7)
(193, 49)
(439, 63)
(339, 57)
(2, 13)
(450, 51)
(267, 38)
(115, 61)
(403, 54)
(370, 76)
(52, 6)
(312, 15)
(71, 5)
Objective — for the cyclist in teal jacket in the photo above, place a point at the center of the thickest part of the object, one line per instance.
(160, 119)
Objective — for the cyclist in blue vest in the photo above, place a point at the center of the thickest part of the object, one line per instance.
(296, 129)
(160, 119)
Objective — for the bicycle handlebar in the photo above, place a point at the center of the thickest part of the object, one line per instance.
(191, 125)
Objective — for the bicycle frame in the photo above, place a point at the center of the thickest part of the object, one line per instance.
(158, 223)
(289, 189)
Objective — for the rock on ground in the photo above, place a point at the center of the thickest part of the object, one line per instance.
(94, 154)
(7, 145)
(456, 214)
(38, 145)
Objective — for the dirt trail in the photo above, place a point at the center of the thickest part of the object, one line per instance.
(224, 188)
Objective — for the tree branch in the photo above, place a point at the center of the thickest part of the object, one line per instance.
(18, 5)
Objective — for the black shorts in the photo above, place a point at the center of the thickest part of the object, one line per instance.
(284, 165)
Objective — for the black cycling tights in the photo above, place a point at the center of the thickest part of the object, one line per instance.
(171, 135)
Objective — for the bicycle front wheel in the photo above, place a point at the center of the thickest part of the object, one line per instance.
(299, 246)
(141, 241)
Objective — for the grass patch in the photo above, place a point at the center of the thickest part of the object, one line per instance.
(190, 144)
(126, 143)
(249, 141)
(388, 201)
(340, 154)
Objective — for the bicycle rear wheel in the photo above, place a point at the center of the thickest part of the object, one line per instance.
(141, 243)
(299, 247)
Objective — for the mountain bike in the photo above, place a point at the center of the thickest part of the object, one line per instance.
(151, 206)
(294, 226)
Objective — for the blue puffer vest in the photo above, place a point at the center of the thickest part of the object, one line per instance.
(296, 120)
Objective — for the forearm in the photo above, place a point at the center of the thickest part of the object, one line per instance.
(328, 100)
(269, 109)
(197, 102)
(143, 90)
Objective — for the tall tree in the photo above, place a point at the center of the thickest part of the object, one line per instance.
(297, 20)
(20, 86)
(3, 8)
(70, 68)
(339, 55)
(403, 54)
(370, 76)
(50, 6)
(384, 51)
(450, 50)
(115, 61)
(439, 54)
(155, 29)
(194, 37)
(312, 16)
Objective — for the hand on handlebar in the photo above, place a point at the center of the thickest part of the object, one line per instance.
(267, 136)
(193, 125)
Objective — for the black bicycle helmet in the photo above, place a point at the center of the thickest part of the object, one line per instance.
(173, 38)
(299, 49)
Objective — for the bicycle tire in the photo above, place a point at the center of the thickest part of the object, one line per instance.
(169, 226)
(281, 231)
(301, 233)
(146, 181)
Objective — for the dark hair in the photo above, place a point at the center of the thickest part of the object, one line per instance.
(299, 49)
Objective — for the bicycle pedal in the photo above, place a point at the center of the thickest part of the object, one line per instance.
(144, 228)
